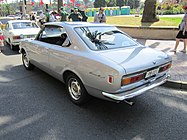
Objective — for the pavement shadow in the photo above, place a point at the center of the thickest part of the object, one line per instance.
(7, 51)
(37, 107)
(146, 24)
(154, 45)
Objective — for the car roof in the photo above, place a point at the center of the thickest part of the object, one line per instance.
(77, 24)
(11, 21)
(7, 18)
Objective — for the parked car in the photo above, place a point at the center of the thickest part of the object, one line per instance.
(16, 30)
(95, 59)
(1, 40)
(4, 20)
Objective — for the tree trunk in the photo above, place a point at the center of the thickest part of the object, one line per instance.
(149, 13)
(60, 3)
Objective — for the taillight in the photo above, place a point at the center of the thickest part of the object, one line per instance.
(132, 79)
(16, 37)
(165, 67)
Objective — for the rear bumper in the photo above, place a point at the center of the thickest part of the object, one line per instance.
(130, 94)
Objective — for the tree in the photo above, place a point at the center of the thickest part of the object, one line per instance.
(110, 3)
(99, 3)
(132, 3)
(120, 3)
(149, 13)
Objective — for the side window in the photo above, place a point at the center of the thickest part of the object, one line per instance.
(51, 34)
(53, 31)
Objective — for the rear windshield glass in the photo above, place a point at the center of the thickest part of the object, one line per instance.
(103, 38)
(22, 25)
(4, 21)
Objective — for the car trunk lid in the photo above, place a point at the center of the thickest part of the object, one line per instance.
(136, 58)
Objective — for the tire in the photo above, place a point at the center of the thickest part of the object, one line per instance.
(26, 62)
(76, 90)
(12, 47)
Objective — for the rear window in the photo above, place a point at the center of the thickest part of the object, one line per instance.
(104, 38)
(22, 25)
(4, 21)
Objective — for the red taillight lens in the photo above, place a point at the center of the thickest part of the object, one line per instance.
(16, 37)
(165, 67)
(132, 79)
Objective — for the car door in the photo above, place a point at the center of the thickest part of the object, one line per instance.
(39, 52)
(59, 55)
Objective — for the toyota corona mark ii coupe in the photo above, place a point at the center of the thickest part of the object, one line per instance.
(95, 59)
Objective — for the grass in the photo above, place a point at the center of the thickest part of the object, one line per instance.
(136, 21)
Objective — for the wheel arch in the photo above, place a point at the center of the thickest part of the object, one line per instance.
(67, 72)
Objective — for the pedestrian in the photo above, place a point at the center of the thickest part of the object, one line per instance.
(47, 15)
(182, 34)
(41, 17)
(100, 17)
(52, 17)
(33, 17)
(63, 14)
(75, 16)
(84, 16)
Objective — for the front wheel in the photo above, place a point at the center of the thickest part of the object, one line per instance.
(26, 62)
(76, 90)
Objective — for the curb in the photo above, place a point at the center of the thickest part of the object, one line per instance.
(176, 84)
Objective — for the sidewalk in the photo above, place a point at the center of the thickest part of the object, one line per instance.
(178, 70)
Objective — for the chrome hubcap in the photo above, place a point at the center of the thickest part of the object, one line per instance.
(74, 88)
(25, 60)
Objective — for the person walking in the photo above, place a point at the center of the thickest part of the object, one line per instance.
(75, 16)
(63, 14)
(100, 17)
(182, 34)
(47, 15)
(84, 16)
(52, 17)
(41, 17)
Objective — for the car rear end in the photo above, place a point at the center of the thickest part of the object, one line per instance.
(145, 69)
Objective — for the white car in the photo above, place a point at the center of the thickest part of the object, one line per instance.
(16, 30)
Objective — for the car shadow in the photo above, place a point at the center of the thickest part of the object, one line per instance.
(7, 50)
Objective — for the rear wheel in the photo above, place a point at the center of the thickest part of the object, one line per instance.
(12, 47)
(76, 90)
(26, 61)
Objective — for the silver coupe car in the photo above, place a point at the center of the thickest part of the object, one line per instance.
(95, 59)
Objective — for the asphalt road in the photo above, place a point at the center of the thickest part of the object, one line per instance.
(35, 106)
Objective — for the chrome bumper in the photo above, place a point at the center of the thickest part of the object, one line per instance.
(121, 96)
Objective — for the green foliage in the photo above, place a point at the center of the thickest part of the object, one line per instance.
(111, 3)
(99, 3)
(168, 9)
(120, 3)
(8, 9)
(133, 3)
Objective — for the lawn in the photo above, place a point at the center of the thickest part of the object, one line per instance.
(136, 21)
